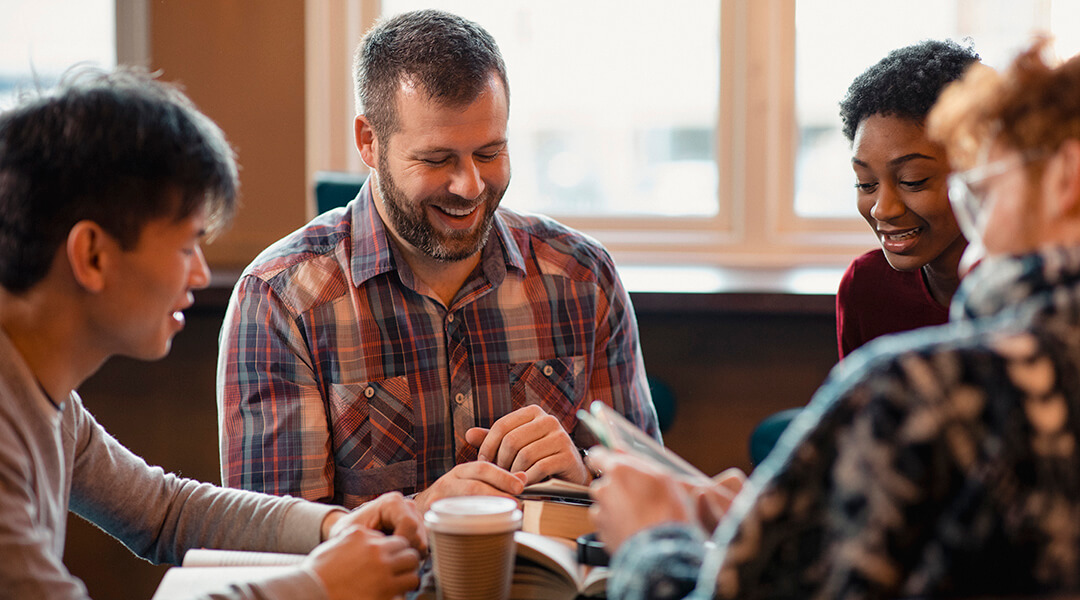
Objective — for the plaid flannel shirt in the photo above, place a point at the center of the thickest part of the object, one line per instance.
(338, 381)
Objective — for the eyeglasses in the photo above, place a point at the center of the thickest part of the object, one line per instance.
(967, 192)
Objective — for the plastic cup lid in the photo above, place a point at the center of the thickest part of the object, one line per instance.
(473, 515)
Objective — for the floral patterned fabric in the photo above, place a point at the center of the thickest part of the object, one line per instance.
(941, 462)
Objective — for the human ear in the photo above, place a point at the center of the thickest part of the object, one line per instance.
(365, 141)
(87, 254)
(1062, 180)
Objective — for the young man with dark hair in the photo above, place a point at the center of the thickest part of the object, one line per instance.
(107, 188)
(390, 344)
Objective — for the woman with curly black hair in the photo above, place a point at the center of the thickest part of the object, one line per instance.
(902, 193)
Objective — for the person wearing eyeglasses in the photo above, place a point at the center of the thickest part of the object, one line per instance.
(941, 462)
(900, 182)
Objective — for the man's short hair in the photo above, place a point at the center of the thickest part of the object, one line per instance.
(447, 57)
(905, 83)
(1034, 105)
(110, 147)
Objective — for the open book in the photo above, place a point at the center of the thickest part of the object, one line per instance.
(206, 557)
(546, 569)
(204, 571)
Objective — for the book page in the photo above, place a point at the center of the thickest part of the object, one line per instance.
(183, 583)
(595, 581)
(558, 557)
(555, 554)
(556, 488)
(534, 582)
(205, 557)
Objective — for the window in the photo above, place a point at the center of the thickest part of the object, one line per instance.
(703, 131)
(40, 39)
(837, 39)
(607, 117)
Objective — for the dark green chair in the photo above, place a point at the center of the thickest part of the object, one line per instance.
(336, 188)
(664, 401)
(763, 437)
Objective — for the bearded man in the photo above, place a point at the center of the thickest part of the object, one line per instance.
(423, 338)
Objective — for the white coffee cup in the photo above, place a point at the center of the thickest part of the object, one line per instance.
(472, 546)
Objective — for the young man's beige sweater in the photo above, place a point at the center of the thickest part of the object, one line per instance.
(53, 455)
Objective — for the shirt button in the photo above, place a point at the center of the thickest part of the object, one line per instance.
(369, 392)
(450, 317)
(548, 370)
(460, 398)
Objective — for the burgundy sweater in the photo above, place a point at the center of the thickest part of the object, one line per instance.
(874, 299)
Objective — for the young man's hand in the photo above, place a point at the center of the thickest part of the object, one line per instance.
(372, 552)
(389, 513)
(359, 563)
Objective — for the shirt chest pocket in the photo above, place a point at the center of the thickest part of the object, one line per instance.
(558, 385)
(372, 423)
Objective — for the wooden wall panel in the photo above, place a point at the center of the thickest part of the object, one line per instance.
(243, 65)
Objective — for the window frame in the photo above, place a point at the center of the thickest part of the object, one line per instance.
(756, 142)
(133, 32)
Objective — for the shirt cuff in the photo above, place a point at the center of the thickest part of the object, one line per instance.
(659, 563)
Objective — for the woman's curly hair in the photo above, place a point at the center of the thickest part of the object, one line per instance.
(905, 83)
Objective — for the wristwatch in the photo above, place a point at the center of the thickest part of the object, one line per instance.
(585, 461)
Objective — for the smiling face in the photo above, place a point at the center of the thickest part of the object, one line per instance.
(902, 188)
(148, 286)
(443, 172)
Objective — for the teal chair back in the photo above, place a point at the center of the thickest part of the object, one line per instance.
(336, 188)
(767, 432)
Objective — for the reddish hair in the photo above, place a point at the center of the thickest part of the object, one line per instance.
(1033, 106)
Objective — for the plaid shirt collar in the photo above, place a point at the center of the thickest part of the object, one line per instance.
(374, 254)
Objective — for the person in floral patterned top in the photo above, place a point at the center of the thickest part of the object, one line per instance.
(941, 462)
